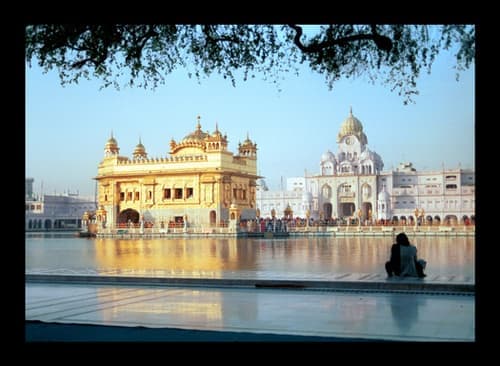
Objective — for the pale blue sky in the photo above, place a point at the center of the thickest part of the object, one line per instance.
(67, 127)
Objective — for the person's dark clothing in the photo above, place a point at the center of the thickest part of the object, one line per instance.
(403, 260)
(420, 269)
(394, 263)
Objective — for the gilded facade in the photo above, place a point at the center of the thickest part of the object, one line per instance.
(196, 184)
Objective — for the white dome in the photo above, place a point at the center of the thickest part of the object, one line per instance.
(366, 154)
(383, 195)
(327, 156)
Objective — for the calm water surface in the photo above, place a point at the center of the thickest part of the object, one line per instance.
(302, 258)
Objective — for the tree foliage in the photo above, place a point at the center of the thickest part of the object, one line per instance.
(145, 54)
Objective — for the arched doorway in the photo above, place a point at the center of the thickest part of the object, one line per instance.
(48, 224)
(346, 209)
(327, 209)
(450, 220)
(128, 214)
(367, 210)
(213, 218)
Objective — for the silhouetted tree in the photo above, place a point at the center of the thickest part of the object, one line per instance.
(394, 54)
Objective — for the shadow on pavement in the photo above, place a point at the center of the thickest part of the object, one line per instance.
(37, 331)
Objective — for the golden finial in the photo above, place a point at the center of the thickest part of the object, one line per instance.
(198, 125)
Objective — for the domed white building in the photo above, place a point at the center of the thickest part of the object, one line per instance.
(347, 181)
(352, 183)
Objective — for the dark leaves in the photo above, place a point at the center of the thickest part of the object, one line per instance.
(393, 54)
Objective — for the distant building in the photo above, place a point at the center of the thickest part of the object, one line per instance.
(289, 202)
(198, 183)
(29, 188)
(352, 183)
(55, 212)
(444, 195)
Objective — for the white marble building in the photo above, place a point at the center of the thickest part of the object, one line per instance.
(294, 200)
(352, 183)
(54, 212)
(347, 182)
(446, 195)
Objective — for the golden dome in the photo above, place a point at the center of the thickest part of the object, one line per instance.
(352, 126)
(247, 141)
(111, 145)
(140, 150)
(217, 133)
(111, 142)
(197, 135)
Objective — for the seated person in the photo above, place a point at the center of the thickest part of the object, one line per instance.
(403, 261)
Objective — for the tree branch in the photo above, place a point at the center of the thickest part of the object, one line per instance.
(208, 33)
(81, 63)
(144, 39)
(382, 42)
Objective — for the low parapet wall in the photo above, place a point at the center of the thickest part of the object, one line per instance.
(393, 284)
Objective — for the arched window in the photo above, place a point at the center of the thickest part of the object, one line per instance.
(326, 191)
(366, 191)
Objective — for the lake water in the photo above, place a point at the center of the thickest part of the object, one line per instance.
(291, 258)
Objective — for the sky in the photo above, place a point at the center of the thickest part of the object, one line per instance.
(67, 127)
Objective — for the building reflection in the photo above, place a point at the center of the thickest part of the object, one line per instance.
(204, 257)
(293, 257)
(259, 258)
(173, 306)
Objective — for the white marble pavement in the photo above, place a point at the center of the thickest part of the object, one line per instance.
(366, 315)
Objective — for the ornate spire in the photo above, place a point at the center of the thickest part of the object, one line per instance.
(198, 125)
(140, 151)
(247, 148)
(111, 147)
